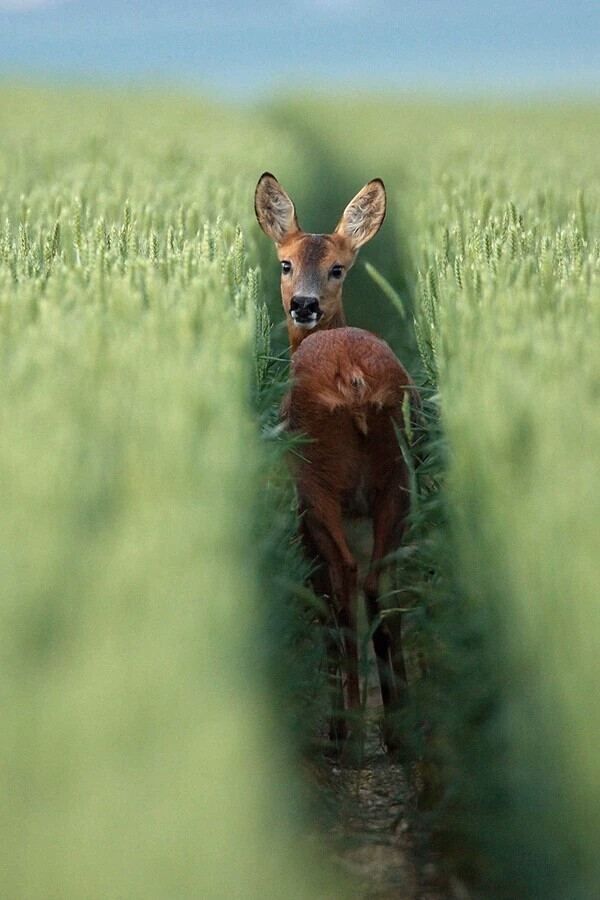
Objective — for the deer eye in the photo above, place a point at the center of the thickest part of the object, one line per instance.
(286, 267)
(336, 271)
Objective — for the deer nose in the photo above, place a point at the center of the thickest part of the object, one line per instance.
(304, 309)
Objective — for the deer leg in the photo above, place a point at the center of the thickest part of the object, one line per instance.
(321, 584)
(388, 526)
(326, 534)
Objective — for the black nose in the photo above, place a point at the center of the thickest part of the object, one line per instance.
(304, 307)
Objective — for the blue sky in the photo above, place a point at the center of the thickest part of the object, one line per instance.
(242, 49)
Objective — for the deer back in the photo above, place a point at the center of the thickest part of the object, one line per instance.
(347, 399)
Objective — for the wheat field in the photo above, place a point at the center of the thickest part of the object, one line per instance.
(159, 681)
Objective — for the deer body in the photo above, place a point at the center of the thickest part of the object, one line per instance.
(347, 395)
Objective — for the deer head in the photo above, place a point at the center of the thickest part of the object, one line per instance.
(314, 266)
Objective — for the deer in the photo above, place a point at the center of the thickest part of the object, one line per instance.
(348, 399)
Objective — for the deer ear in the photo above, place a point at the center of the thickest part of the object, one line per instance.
(364, 214)
(274, 210)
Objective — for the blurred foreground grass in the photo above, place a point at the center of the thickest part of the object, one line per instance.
(138, 752)
(144, 527)
(498, 214)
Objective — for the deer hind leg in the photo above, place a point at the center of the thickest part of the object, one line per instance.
(324, 530)
(321, 585)
(388, 526)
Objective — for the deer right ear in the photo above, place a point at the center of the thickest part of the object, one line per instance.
(364, 214)
(274, 210)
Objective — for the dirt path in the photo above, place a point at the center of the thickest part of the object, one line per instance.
(375, 835)
(373, 838)
(374, 827)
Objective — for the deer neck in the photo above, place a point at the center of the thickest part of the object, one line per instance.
(297, 335)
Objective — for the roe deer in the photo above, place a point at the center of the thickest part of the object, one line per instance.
(348, 397)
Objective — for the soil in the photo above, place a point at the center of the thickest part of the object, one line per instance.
(375, 831)
(374, 828)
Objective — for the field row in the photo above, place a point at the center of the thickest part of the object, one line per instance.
(158, 656)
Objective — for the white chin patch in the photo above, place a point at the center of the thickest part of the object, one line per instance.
(310, 323)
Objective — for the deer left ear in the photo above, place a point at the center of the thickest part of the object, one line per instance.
(274, 210)
(364, 214)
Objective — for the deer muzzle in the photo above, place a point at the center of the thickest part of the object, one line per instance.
(305, 311)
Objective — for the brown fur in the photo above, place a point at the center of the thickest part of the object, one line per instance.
(317, 253)
(347, 399)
